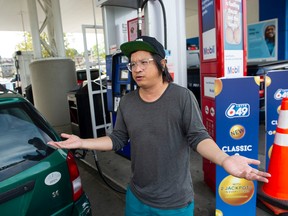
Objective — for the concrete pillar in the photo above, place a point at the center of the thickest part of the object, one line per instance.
(58, 30)
(33, 18)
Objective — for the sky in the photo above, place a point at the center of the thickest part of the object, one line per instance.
(9, 40)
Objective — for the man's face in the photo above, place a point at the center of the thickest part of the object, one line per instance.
(145, 72)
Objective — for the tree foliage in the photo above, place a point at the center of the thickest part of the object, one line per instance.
(99, 50)
(27, 45)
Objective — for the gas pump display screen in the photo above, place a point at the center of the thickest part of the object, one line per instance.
(124, 75)
(124, 59)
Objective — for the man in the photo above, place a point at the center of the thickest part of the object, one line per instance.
(162, 121)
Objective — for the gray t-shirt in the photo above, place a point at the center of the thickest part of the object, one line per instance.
(161, 134)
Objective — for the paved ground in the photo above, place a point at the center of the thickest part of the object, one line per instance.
(104, 201)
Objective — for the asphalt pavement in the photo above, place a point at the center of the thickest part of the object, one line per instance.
(104, 200)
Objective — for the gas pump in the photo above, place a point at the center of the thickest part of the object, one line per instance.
(22, 61)
(119, 82)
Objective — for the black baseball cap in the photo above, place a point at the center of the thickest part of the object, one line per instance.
(145, 43)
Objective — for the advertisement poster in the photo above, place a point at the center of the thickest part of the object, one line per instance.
(233, 38)
(237, 120)
(262, 41)
(132, 26)
(276, 88)
(208, 29)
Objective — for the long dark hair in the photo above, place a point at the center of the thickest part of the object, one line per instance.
(166, 76)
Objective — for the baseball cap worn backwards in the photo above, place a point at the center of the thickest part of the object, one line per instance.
(143, 43)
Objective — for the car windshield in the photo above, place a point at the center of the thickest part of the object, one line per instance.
(22, 138)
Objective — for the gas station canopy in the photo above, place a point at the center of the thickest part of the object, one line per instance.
(120, 3)
(14, 13)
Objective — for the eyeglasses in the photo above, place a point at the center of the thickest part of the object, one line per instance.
(143, 64)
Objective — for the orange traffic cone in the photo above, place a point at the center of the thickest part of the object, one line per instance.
(274, 194)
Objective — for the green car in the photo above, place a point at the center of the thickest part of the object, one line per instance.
(35, 178)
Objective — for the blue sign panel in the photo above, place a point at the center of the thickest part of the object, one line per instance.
(276, 88)
(208, 29)
(237, 128)
(208, 15)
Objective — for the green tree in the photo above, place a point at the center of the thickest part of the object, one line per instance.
(98, 50)
(27, 45)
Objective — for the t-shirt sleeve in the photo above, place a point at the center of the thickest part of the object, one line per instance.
(193, 124)
(119, 136)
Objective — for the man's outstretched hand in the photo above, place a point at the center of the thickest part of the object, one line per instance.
(71, 142)
(239, 166)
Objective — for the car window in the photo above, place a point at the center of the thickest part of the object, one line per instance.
(22, 140)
